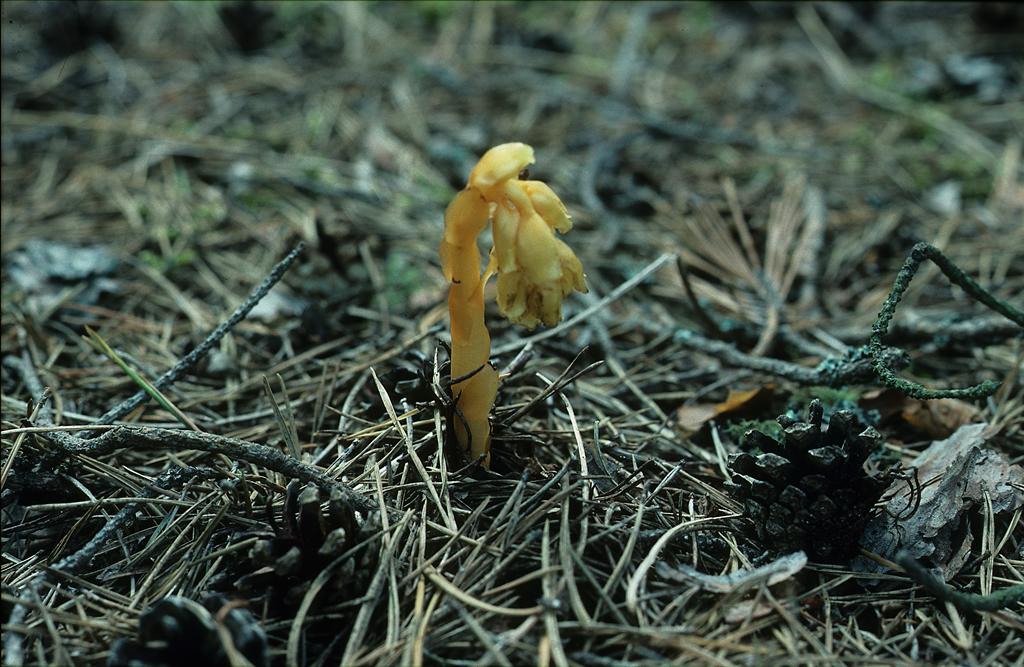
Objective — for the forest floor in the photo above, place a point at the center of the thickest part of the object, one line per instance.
(745, 180)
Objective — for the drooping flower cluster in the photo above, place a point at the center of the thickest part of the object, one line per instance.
(535, 269)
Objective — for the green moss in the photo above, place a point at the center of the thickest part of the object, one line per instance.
(242, 129)
(402, 277)
(926, 173)
(257, 199)
(883, 75)
(209, 213)
(736, 429)
(313, 174)
(972, 175)
(163, 264)
(700, 18)
(434, 10)
(831, 398)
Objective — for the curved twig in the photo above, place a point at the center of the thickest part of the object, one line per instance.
(918, 254)
(1001, 599)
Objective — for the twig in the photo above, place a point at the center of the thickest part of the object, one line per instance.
(854, 367)
(23, 367)
(939, 334)
(158, 438)
(918, 254)
(1000, 599)
(866, 364)
(123, 436)
(140, 437)
(193, 357)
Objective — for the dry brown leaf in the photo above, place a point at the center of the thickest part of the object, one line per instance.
(957, 474)
(691, 418)
(940, 418)
(935, 419)
(886, 402)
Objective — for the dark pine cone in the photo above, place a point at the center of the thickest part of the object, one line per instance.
(179, 632)
(313, 538)
(809, 491)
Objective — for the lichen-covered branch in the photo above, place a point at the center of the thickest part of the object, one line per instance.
(854, 367)
(918, 254)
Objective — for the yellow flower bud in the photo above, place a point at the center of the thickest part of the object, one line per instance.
(498, 165)
(548, 205)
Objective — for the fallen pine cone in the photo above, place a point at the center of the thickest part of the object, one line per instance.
(810, 491)
(311, 539)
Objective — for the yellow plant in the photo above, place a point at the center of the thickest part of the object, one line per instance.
(535, 270)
